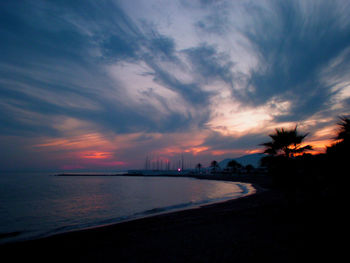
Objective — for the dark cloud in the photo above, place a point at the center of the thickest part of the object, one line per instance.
(162, 46)
(66, 39)
(55, 54)
(209, 63)
(120, 48)
(191, 92)
(217, 141)
(124, 119)
(346, 103)
(294, 44)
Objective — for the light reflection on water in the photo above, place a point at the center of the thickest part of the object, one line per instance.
(40, 204)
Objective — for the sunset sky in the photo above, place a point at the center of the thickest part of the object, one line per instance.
(103, 84)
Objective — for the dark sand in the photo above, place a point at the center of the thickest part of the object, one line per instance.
(263, 226)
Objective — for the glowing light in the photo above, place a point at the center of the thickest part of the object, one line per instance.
(96, 155)
(196, 150)
(179, 169)
(319, 146)
(253, 151)
(223, 152)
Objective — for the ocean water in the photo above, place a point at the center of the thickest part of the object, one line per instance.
(34, 205)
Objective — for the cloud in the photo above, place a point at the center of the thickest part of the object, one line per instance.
(68, 78)
(294, 44)
(209, 64)
(217, 141)
(152, 78)
(346, 103)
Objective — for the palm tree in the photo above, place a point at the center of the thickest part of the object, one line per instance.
(286, 143)
(233, 165)
(344, 131)
(214, 164)
(249, 168)
(199, 166)
(342, 140)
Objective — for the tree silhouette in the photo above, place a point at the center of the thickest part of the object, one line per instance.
(199, 166)
(286, 143)
(214, 164)
(249, 168)
(344, 130)
(342, 143)
(233, 165)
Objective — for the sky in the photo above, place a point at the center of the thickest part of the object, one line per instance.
(101, 85)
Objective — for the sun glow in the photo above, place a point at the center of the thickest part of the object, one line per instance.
(196, 150)
(97, 155)
(233, 119)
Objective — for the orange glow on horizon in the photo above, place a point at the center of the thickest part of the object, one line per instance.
(222, 152)
(83, 141)
(253, 151)
(92, 149)
(319, 146)
(96, 155)
(196, 150)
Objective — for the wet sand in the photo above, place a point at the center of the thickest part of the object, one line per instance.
(264, 226)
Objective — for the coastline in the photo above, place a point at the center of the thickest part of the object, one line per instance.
(244, 229)
(247, 190)
(30, 235)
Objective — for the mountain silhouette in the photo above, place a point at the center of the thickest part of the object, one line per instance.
(253, 159)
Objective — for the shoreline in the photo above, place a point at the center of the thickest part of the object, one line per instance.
(146, 215)
(252, 189)
(246, 188)
(254, 227)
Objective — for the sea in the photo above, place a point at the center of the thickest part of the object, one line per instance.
(35, 205)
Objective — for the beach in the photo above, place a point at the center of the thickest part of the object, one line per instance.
(261, 226)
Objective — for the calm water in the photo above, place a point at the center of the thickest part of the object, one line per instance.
(36, 205)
